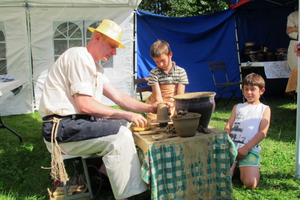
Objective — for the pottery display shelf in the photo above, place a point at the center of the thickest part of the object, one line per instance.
(181, 168)
(272, 69)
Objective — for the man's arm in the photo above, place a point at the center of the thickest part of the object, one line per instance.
(90, 106)
(291, 29)
(126, 101)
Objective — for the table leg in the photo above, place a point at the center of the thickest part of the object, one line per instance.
(4, 126)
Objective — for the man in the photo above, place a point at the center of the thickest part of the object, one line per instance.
(75, 122)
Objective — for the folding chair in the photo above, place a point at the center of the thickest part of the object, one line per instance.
(222, 83)
(140, 88)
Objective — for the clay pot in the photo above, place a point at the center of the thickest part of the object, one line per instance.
(260, 56)
(187, 125)
(162, 114)
(279, 57)
(249, 46)
(270, 56)
(198, 102)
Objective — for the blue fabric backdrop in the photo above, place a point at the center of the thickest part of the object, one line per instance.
(264, 23)
(194, 41)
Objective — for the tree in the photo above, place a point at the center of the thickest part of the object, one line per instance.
(184, 8)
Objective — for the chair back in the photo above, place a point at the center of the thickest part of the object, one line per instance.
(222, 83)
(141, 86)
(219, 72)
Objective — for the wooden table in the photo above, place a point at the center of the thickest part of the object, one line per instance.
(187, 168)
(272, 69)
(275, 73)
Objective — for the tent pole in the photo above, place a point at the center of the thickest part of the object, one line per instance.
(297, 122)
(238, 50)
(30, 58)
(238, 55)
(135, 52)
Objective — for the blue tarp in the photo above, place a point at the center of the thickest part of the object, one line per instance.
(263, 22)
(194, 41)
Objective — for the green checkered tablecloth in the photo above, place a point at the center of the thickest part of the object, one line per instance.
(187, 168)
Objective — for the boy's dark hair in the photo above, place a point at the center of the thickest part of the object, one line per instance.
(159, 47)
(254, 80)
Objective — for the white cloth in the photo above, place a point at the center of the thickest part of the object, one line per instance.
(246, 124)
(120, 159)
(292, 21)
(291, 55)
(74, 72)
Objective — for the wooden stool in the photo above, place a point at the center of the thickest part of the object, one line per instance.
(87, 178)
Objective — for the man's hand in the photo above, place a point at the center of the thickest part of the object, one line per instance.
(139, 120)
(297, 49)
(155, 105)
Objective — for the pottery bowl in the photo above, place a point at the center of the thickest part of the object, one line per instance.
(186, 126)
(197, 102)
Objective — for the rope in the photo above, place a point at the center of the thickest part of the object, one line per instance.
(58, 171)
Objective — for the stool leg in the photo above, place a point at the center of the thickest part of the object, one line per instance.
(66, 190)
(87, 177)
(89, 193)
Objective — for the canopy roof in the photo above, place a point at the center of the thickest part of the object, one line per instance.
(74, 3)
(250, 4)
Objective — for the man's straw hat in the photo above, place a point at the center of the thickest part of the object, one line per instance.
(111, 30)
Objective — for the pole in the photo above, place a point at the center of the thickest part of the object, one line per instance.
(297, 121)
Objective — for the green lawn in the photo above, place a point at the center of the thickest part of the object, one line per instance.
(23, 178)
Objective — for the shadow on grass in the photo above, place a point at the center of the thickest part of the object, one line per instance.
(271, 181)
(20, 163)
(20, 171)
(283, 117)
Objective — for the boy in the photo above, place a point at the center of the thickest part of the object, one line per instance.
(167, 79)
(248, 126)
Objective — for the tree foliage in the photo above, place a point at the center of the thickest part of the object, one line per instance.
(184, 8)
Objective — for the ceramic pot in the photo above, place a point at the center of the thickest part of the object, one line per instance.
(260, 56)
(198, 102)
(270, 56)
(187, 125)
(162, 114)
(249, 46)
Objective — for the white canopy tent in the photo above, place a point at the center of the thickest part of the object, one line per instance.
(35, 34)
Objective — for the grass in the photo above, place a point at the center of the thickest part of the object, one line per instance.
(23, 178)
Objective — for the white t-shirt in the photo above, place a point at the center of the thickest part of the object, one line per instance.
(74, 72)
(292, 21)
(246, 124)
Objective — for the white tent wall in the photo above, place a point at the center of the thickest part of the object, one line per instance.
(43, 24)
(29, 28)
(13, 25)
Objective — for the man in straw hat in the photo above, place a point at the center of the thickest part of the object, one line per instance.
(75, 122)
